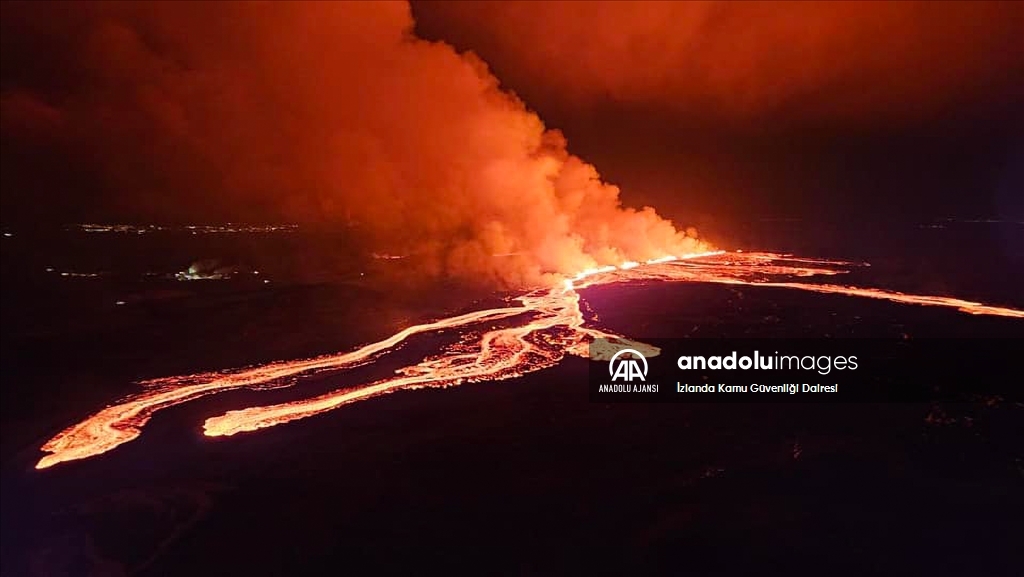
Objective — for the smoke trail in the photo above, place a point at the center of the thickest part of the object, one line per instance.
(321, 112)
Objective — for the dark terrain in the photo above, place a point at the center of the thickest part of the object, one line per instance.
(520, 477)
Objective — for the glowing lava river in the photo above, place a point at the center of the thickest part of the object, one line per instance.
(544, 326)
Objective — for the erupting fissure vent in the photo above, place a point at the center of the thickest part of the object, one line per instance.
(553, 327)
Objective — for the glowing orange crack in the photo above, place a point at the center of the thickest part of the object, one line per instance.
(501, 355)
(498, 354)
(974, 308)
(123, 422)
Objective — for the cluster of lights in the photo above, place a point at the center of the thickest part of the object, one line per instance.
(71, 274)
(193, 228)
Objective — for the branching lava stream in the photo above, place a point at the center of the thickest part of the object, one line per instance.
(554, 327)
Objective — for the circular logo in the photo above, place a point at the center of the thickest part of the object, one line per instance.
(613, 371)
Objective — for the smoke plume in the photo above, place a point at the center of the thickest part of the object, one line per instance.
(838, 62)
(315, 112)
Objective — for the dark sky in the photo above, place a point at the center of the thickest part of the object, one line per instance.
(734, 108)
(709, 112)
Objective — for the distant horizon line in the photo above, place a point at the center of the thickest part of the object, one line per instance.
(228, 226)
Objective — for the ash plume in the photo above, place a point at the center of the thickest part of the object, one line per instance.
(329, 113)
(838, 63)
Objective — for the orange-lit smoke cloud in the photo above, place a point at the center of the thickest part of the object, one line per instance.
(844, 62)
(328, 111)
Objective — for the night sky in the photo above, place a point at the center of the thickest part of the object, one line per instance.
(710, 113)
(746, 109)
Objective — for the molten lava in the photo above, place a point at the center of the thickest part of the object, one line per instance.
(552, 326)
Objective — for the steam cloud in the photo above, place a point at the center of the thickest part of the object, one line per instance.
(839, 62)
(318, 111)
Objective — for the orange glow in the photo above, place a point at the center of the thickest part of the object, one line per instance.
(553, 327)
(123, 422)
(743, 60)
(263, 107)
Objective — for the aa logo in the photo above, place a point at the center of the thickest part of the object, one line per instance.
(627, 368)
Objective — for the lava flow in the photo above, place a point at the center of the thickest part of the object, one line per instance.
(547, 325)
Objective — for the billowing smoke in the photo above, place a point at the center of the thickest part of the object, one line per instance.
(846, 63)
(318, 112)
